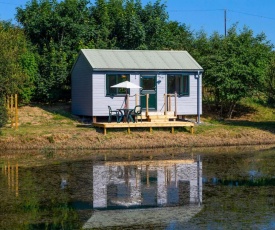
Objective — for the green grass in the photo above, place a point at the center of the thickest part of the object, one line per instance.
(250, 114)
(262, 112)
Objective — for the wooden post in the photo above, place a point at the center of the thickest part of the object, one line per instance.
(11, 110)
(128, 130)
(169, 102)
(165, 106)
(16, 111)
(147, 105)
(172, 130)
(192, 129)
(175, 113)
(136, 97)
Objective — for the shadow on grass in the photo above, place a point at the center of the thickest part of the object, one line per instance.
(112, 130)
(210, 110)
(61, 109)
(85, 126)
(263, 125)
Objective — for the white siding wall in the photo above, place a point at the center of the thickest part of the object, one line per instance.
(187, 105)
(82, 87)
(89, 93)
(101, 101)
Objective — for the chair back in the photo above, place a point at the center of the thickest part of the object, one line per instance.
(137, 109)
(110, 109)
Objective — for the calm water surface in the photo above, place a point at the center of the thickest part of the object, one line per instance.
(185, 189)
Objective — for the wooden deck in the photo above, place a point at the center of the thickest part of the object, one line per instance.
(144, 124)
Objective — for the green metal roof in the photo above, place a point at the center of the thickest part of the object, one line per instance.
(140, 60)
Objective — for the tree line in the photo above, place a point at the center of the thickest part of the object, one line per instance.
(37, 56)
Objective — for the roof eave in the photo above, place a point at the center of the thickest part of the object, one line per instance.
(146, 70)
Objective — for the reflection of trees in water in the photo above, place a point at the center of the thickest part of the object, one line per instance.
(232, 196)
(40, 202)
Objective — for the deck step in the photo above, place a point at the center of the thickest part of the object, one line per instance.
(160, 118)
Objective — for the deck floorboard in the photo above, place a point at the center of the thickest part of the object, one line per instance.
(145, 124)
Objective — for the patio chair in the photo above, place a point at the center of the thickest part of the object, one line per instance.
(137, 112)
(112, 113)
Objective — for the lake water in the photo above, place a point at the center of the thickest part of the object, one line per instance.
(230, 188)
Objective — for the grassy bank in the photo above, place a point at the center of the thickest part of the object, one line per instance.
(53, 127)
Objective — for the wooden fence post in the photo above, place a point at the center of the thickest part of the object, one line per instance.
(12, 110)
(16, 111)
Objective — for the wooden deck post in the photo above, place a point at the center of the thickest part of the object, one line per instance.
(175, 113)
(104, 131)
(136, 97)
(172, 130)
(128, 130)
(169, 103)
(147, 105)
(192, 129)
(165, 102)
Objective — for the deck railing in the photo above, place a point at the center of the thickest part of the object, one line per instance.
(167, 103)
(147, 102)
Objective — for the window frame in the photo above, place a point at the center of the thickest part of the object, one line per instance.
(118, 92)
(182, 86)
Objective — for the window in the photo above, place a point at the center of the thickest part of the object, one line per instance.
(178, 83)
(113, 79)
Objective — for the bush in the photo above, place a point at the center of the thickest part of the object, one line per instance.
(3, 113)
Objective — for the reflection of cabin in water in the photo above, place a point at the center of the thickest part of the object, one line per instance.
(146, 189)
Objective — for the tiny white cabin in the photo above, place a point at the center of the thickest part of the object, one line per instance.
(163, 75)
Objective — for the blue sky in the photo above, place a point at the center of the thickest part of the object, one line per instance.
(201, 14)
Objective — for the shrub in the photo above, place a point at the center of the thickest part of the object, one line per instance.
(3, 113)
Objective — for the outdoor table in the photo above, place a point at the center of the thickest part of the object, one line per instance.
(125, 115)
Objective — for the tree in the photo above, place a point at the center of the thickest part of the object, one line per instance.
(179, 36)
(15, 74)
(235, 66)
(270, 81)
(155, 17)
(57, 30)
(103, 25)
(133, 32)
